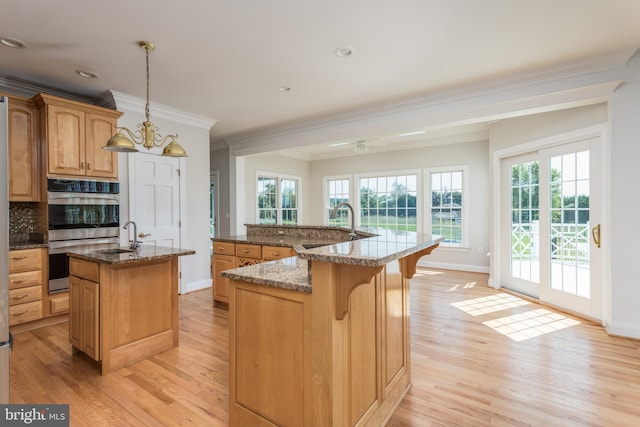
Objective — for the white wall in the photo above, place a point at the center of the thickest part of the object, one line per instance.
(194, 137)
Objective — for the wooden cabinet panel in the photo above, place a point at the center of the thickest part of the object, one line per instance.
(23, 144)
(22, 295)
(21, 313)
(65, 140)
(59, 303)
(86, 269)
(84, 311)
(26, 278)
(249, 251)
(25, 284)
(98, 131)
(75, 134)
(221, 284)
(224, 248)
(25, 260)
(270, 253)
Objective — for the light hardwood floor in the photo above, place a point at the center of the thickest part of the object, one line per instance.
(480, 357)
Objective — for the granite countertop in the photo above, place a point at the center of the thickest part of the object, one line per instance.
(13, 246)
(289, 242)
(145, 253)
(293, 273)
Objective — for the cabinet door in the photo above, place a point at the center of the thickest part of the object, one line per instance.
(66, 140)
(221, 284)
(75, 310)
(24, 174)
(90, 301)
(100, 163)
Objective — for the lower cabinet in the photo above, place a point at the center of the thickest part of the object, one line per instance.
(221, 284)
(84, 315)
(26, 280)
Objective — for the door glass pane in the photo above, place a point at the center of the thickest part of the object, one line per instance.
(569, 192)
(525, 236)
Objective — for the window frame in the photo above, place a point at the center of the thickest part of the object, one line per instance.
(386, 174)
(279, 177)
(325, 194)
(464, 220)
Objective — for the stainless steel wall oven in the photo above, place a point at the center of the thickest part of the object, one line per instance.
(81, 214)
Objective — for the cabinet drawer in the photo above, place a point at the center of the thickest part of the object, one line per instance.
(86, 269)
(22, 295)
(224, 248)
(249, 251)
(25, 260)
(276, 252)
(25, 312)
(59, 303)
(28, 278)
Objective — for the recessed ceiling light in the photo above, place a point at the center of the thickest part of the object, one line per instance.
(13, 43)
(343, 51)
(284, 88)
(87, 74)
(418, 132)
(338, 144)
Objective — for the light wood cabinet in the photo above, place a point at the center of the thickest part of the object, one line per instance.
(23, 144)
(84, 320)
(227, 255)
(270, 253)
(59, 303)
(75, 134)
(221, 284)
(26, 280)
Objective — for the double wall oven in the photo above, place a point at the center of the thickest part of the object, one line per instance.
(82, 214)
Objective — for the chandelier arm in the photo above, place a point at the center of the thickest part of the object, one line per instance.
(146, 108)
(135, 136)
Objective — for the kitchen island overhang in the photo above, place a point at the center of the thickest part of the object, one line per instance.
(344, 346)
(124, 306)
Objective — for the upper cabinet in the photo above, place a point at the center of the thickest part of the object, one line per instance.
(24, 176)
(75, 134)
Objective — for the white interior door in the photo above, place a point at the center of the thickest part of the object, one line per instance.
(155, 198)
(552, 206)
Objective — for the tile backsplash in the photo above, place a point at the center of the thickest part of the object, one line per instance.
(26, 222)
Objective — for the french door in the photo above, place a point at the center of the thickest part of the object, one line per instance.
(550, 235)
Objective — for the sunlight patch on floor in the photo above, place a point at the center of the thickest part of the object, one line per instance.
(530, 324)
(465, 286)
(425, 272)
(489, 304)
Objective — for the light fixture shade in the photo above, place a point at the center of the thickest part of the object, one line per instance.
(120, 144)
(174, 150)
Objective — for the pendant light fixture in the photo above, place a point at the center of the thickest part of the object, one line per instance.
(147, 133)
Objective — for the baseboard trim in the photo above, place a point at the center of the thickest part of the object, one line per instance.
(195, 286)
(626, 330)
(450, 266)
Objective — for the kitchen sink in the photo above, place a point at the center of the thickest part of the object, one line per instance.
(115, 251)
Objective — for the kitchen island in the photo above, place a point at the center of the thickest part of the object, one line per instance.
(123, 305)
(323, 338)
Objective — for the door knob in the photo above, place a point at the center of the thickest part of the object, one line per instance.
(143, 235)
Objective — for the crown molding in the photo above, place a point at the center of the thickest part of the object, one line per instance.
(566, 84)
(122, 101)
(29, 89)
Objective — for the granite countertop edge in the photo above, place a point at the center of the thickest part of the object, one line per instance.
(15, 246)
(144, 254)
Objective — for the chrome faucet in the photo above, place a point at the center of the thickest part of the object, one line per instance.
(353, 234)
(133, 244)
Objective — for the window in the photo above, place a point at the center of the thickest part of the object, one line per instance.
(389, 202)
(338, 190)
(447, 204)
(277, 200)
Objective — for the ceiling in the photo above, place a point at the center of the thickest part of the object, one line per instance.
(224, 60)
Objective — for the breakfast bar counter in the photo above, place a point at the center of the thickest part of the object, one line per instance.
(323, 338)
(123, 304)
